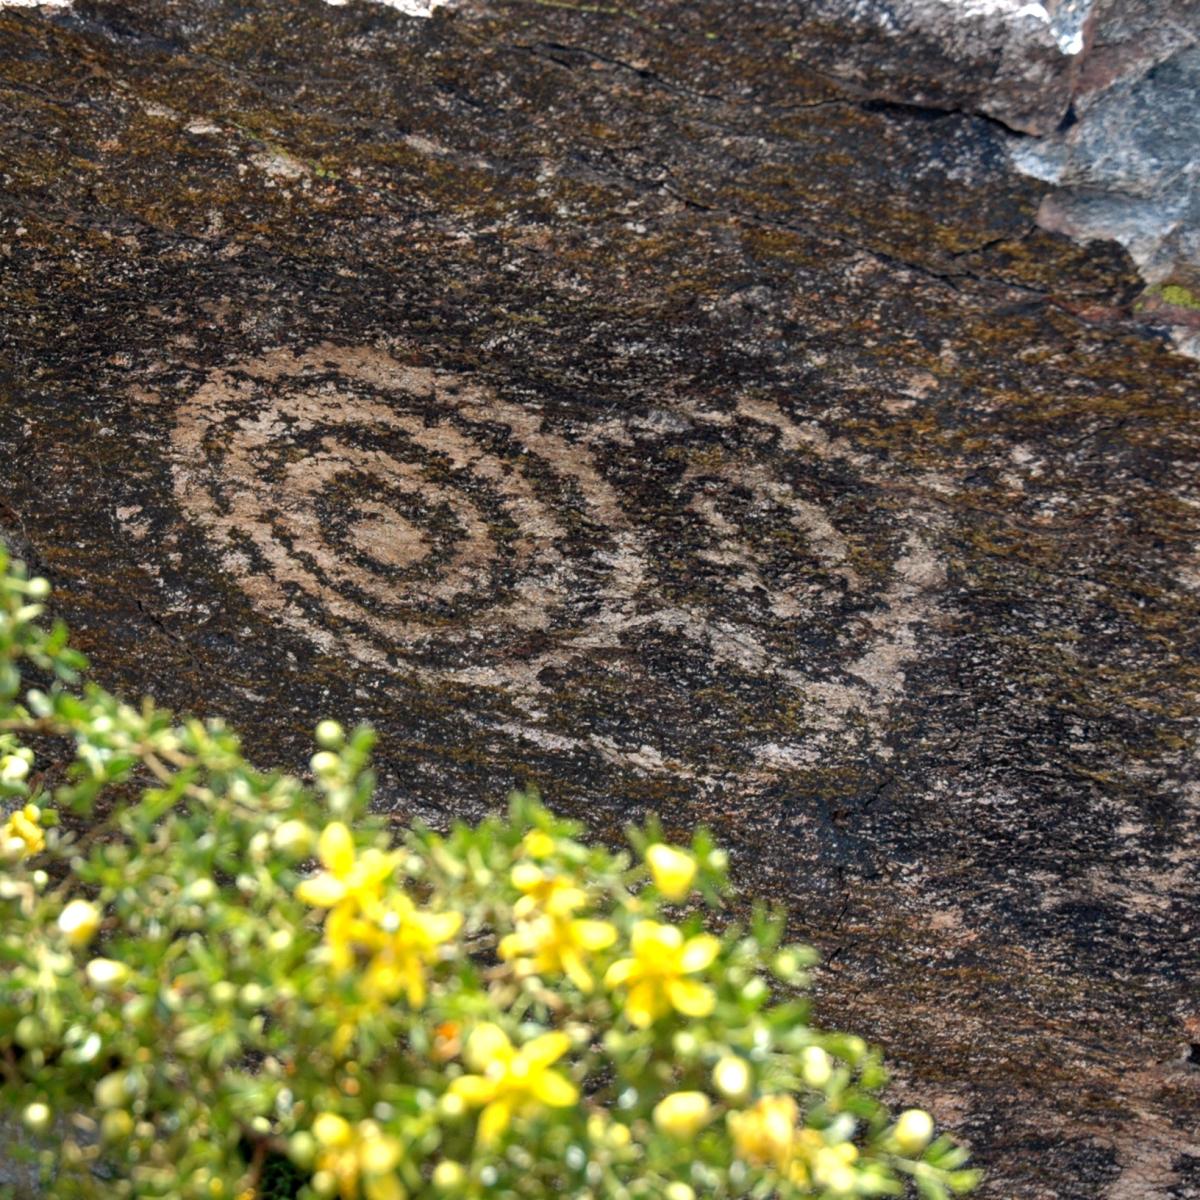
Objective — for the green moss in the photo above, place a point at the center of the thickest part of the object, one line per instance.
(1181, 297)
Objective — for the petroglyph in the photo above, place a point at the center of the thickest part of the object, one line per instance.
(415, 519)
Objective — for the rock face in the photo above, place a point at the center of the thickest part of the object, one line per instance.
(1127, 165)
(1014, 61)
(611, 400)
(1108, 88)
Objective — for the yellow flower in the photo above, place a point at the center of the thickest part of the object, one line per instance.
(655, 973)
(558, 946)
(683, 1114)
(357, 879)
(765, 1134)
(356, 1160)
(537, 844)
(21, 835)
(673, 870)
(405, 940)
(829, 1168)
(544, 891)
(512, 1081)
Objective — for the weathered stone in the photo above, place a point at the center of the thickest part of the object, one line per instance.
(1129, 170)
(1011, 60)
(611, 401)
(1128, 38)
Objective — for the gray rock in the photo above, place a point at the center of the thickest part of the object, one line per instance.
(1128, 38)
(1014, 61)
(1129, 170)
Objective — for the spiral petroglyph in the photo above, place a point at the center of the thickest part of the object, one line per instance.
(401, 513)
(412, 518)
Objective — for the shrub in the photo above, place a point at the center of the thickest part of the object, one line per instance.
(219, 982)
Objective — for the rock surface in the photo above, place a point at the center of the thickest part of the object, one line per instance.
(1108, 87)
(1014, 61)
(1127, 168)
(608, 399)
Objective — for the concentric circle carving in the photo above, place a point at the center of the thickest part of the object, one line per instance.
(398, 512)
(411, 517)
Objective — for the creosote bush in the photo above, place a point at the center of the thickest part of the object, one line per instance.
(229, 983)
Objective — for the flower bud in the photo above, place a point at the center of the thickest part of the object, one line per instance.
(731, 1077)
(682, 1114)
(378, 1153)
(106, 975)
(280, 940)
(449, 1176)
(325, 763)
(37, 588)
(13, 769)
(330, 735)
(116, 1125)
(678, 1190)
(331, 1131)
(786, 965)
(223, 993)
(815, 1067)
(295, 839)
(36, 1117)
(200, 891)
(111, 1091)
(618, 1136)
(302, 1148)
(831, 1171)
(673, 870)
(686, 1044)
(324, 1183)
(79, 922)
(252, 996)
(914, 1128)
(29, 1032)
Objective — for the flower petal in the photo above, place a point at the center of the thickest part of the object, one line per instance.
(690, 998)
(621, 972)
(554, 1089)
(513, 945)
(414, 981)
(565, 900)
(645, 1004)
(698, 952)
(543, 1050)
(321, 891)
(493, 1121)
(474, 1090)
(650, 939)
(335, 848)
(383, 1187)
(441, 927)
(487, 1044)
(593, 935)
(578, 974)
